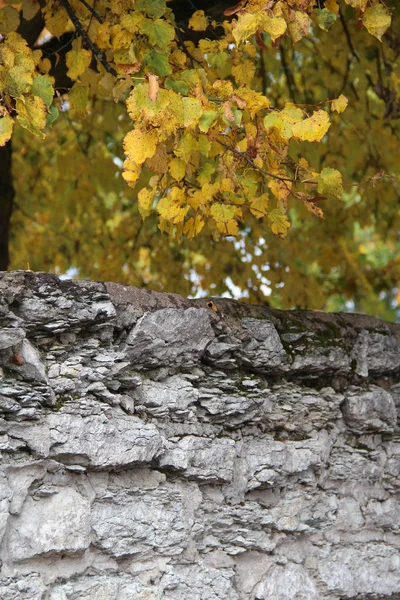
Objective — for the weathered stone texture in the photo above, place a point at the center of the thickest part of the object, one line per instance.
(154, 448)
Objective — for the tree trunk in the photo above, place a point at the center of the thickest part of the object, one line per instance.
(6, 202)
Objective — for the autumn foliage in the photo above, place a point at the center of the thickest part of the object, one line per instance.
(227, 129)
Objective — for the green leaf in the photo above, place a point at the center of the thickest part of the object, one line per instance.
(154, 8)
(159, 32)
(180, 87)
(330, 182)
(325, 18)
(52, 116)
(158, 63)
(207, 119)
(43, 88)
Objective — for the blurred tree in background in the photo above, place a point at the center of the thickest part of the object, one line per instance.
(169, 145)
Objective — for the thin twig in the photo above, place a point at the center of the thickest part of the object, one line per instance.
(250, 162)
(347, 34)
(92, 10)
(91, 45)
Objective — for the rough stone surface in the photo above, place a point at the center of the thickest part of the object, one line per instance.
(152, 447)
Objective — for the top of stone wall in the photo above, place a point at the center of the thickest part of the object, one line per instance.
(163, 329)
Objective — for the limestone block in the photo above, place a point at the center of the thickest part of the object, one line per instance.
(100, 440)
(364, 570)
(48, 525)
(30, 587)
(141, 523)
(201, 458)
(289, 582)
(370, 410)
(170, 336)
(265, 350)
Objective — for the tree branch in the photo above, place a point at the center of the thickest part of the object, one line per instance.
(92, 11)
(91, 45)
(250, 162)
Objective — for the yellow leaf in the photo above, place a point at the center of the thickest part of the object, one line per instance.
(173, 207)
(279, 223)
(245, 26)
(244, 72)
(186, 146)
(131, 173)
(139, 145)
(303, 163)
(314, 128)
(56, 19)
(226, 216)
(250, 23)
(32, 114)
(18, 81)
(9, 19)
(77, 62)
(358, 4)
(198, 21)
(30, 8)
(145, 198)
(255, 101)
(299, 26)
(330, 182)
(332, 6)
(259, 206)
(223, 89)
(281, 191)
(6, 127)
(275, 26)
(377, 20)
(284, 120)
(193, 227)
(192, 111)
(177, 168)
(340, 104)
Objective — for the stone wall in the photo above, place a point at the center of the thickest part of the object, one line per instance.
(159, 448)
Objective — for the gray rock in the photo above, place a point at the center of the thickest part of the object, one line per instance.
(289, 582)
(170, 336)
(53, 524)
(141, 524)
(364, 570)
(10, 337)
(265, 350)
(103, 441)
(30, 587)
(371, 410)
(202, 459)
